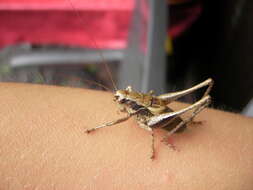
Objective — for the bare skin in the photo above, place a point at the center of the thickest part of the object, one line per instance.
(43, 145)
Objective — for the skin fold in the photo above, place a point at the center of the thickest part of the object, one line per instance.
(43, 145)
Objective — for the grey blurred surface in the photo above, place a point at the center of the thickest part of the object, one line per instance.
(56, 65)
(141, 65)
(144, 64)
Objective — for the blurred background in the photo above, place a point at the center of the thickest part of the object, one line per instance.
(164, 45)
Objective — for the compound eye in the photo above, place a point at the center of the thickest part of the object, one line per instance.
(116, 97)
(122, 101)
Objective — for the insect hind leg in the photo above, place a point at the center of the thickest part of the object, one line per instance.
(198, 108)
(162, 117)
(176, 95)
(209, 88)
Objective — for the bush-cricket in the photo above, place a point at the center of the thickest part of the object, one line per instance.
(152, 111)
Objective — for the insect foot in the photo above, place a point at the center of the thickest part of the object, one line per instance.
(89, 130)
(152, 157)
(196, 123)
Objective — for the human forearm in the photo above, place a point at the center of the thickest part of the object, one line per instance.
(43, 144)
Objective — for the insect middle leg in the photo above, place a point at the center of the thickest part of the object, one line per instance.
(153, 145)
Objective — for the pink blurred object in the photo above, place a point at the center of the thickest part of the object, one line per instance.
(182, 18)
(102, 23)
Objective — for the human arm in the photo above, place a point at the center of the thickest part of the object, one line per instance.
(43, 145)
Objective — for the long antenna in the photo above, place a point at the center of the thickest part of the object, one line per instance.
(89, 81)
(94, 41)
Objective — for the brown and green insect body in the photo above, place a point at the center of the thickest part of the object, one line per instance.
(145, 106)
(152, 111)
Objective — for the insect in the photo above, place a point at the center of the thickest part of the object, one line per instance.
(153, 112)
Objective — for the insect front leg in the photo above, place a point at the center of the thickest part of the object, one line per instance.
(114, 122)
(109, 124)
